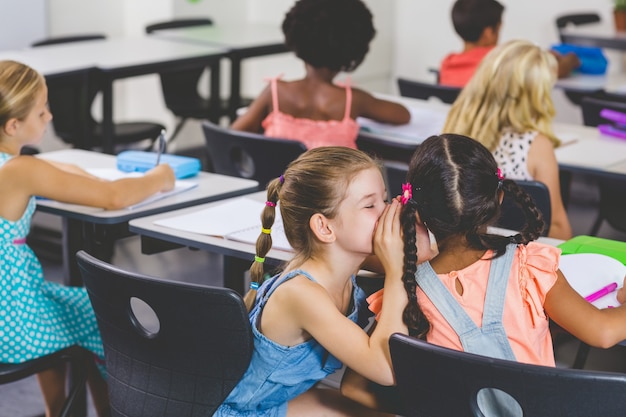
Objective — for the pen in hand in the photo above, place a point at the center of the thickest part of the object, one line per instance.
(601, 292)
(161, 146)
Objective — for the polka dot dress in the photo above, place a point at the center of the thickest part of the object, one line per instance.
(511, 154)
(37, 317)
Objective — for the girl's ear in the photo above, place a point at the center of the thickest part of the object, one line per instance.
(10, 127)
(321, 228)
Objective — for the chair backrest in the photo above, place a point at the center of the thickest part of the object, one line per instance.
(179, 23)
(512, 217)
(171, 348)
(592, 106)
(576, 19)
(72, 94)
(424, 91)
(395, 176)
(612, 190)
(249, 155)
(180, 87)
(438, 382)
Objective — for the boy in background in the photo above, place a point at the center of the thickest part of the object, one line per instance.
(478, 23)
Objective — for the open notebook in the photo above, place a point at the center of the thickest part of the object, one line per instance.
(113, 174)
(589, 272)
(237, 219)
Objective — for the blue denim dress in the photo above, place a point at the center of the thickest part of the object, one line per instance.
(277, 373)
(488, 340)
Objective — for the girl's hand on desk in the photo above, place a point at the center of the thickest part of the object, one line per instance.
(164, 172)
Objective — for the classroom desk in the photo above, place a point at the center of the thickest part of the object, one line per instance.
(584, 149)
(599, 35)
(83, 226)
(248, 40)
(238, 256)
(118, 58)
(586, 83)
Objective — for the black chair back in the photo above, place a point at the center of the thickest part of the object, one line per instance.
(424, 91)
(512, 217)
(171, 348)
(70, 97)
(438, 382)
(612, 190)
(249, 155)
(575, 19)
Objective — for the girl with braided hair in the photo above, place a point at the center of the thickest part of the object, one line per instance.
(484, 293)
(309, 318)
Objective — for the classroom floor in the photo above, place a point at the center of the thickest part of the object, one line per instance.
(23, 398)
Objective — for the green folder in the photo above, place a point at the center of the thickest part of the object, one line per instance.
(591, 244)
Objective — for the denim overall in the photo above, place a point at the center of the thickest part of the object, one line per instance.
(488, 340)
(278, 373)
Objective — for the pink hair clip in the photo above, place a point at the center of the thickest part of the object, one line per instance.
(500, 174)
(270, 204)
(407, 193)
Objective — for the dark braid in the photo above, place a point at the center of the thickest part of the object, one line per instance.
(263, 242)
(412, 316)
(534, 219)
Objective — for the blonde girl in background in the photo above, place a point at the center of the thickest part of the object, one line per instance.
(507, 106)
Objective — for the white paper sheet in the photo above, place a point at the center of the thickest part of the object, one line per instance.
(589, 272)
(237, 219)
(424, 123)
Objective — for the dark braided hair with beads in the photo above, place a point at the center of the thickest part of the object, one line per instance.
(456, 190)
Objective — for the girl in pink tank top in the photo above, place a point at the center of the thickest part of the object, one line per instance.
(330, 36)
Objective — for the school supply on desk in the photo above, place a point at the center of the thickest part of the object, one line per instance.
(591, 244)
(594, 276)
(141, 161)
(618, 126)
(237, 219)
(161, 146)
(111, 174)
(424, 123)
(592, 59)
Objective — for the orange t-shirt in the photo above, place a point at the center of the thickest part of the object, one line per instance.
(533, 274)
(457, 69)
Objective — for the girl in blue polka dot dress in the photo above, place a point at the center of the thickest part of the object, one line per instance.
(39, 317)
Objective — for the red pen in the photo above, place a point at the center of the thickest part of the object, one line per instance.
(601, 292)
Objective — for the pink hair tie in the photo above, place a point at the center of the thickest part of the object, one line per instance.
(270, 204)
(407, 193)
(500, 174)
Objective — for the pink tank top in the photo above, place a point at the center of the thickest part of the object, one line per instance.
(313, 133)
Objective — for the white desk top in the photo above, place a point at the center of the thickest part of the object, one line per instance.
(210, 187)
(145, 226)
(585, 82)
(249, 35)
(107, 54)
(597, 34)
(584, 147)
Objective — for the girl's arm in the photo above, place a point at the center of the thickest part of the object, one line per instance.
(366, 105)
(34, 176)
(315, 312)
(599, 328)
(258, 110)
(544, 168)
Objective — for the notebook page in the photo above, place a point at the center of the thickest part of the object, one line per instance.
(588, 272)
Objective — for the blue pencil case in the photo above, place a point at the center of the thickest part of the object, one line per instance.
(140, 161)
